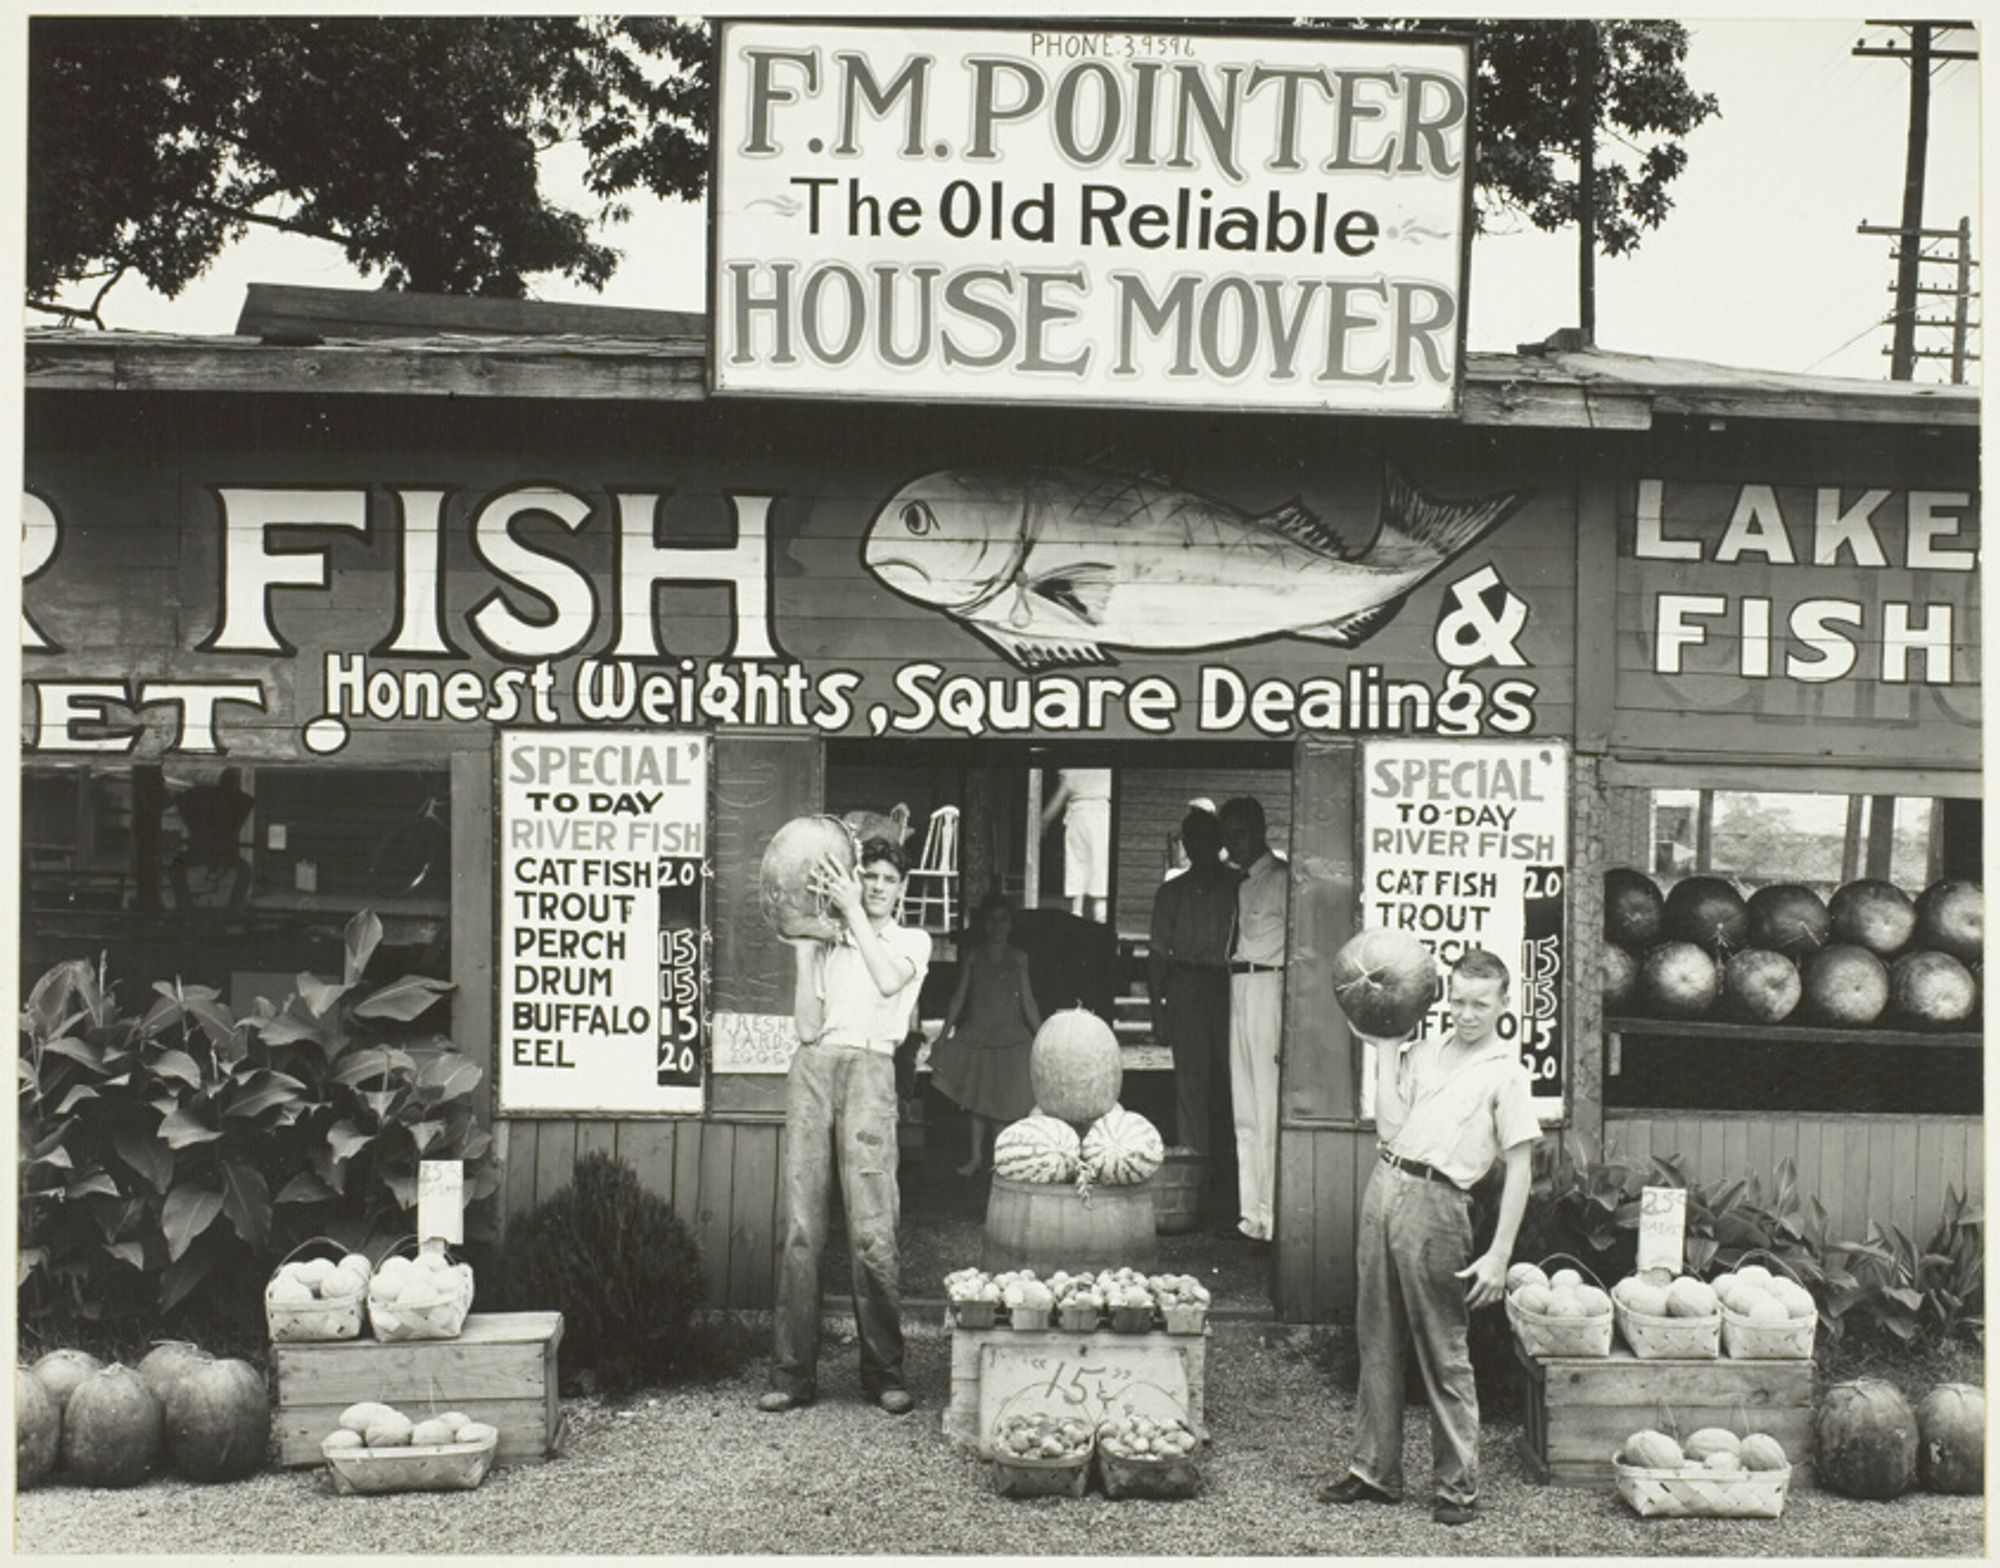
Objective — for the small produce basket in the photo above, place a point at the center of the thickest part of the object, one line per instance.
(1185, 1320)
(1750, 1340)
(1017, 1475)
(442, 1467)
(1078, 1318)
(1544, 1336)
(976, 1314)
(304, 1322)
(1028, 1320)
(1655, 1338)
(1160, 1478)
(433, 1305)
(1701, 1493)
(1131, 1320)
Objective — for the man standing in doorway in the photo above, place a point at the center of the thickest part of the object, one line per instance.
(1187, 984)
(1256, 1012)
(1083, 801)
(852, 1004)
(1444, 1114)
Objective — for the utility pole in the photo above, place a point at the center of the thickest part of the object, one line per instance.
(1961, 308)
(1922, 55)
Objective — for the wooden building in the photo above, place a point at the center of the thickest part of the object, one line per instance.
(345, 550)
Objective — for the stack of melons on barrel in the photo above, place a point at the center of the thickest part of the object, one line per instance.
(1869, 955)
(1077, 1129)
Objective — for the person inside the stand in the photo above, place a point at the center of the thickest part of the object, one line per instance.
(1083, 801)
(1256, 1013)
(852, 1002)
(1187, 987)
(981, 1059)
(1445, 1113)
(213, 816)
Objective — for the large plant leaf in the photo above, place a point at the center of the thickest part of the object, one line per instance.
(318, 995)
(182, 1128)
(127, 1252)
(306, 1187)
(258, 1091)
(95, 1182)
(346, 1140)
(81, 1091)
(76, 1050)
(288, 1029)
(380, 1103)
(182, 1277)
(403, 999)
(27, 1261)
(189, 1210)
(448, 1076)
(404, 1185)
(145, 1154)
(364, 934)
(330, 1166)
(178, 1065)
(246, 1203)
(373, 1061)
(424, 1134)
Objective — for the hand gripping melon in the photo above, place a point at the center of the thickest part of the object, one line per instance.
(111, 1429)
(1761, 1451)
(1122, 1148)
(218, 1421)
(1951, 1425)
(1712, 1440)
(37, 1430)
(1384, 981)
(61, 1370)
(1075, 1066)
(1865, 1440)
(1525, 1274)
(1652, 1450)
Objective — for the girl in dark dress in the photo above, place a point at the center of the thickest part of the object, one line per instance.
(981, 1059)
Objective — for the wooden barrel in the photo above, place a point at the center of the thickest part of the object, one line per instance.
(1045, 1226)
(1177, 1192)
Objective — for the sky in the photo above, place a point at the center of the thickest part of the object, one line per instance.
(1758, 265)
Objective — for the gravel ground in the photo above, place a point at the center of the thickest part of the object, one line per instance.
(700, 1471)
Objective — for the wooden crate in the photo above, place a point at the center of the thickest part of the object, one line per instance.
(501, 1369)
(1094, 1375)
(1579, 1409)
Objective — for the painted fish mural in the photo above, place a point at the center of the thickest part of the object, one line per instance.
(1054, 566)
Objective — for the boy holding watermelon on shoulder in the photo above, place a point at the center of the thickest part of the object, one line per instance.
(851, 1003)
(1445, 1113)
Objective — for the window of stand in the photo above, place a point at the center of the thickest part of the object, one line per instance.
(232, 876)
(1814, 1059)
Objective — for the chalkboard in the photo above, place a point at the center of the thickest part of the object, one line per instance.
(761, 783)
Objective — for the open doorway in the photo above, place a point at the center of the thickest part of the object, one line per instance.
(992, 818)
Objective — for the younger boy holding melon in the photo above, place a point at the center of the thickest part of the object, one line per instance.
(1445, 1113)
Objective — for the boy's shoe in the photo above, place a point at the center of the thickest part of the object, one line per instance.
(1350, 1488)
(775, 1401)
(1446, 1511)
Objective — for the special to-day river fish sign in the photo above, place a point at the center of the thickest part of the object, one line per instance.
(1053, 566)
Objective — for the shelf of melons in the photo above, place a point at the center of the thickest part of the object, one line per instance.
(1789, 1034)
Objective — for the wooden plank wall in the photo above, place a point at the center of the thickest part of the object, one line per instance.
(721, 1178)
(1889, 1168)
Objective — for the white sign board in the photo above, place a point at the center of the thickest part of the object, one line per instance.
(1090, 214)
(441, 1201)
(1093, 1377)
(1662, 1228)
(604, 873)
(1466, 844)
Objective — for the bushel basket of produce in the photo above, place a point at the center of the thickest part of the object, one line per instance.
(1040, 1454)
(317, 1293)
(1696, 1492)
(423, 1297)
(1141, 1457)
(438, 1467)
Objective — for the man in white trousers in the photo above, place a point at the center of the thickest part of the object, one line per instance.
(1256, 1013)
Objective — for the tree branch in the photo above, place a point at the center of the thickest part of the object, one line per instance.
(68, 312)
(284, 225)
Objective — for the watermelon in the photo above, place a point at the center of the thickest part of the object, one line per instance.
(111, 1429)
(1384, 981)
(1121, 1148)
(1708, 912)
(1951, 1429)
(1075, 1066)
(784, 884)
(1873, 914)
(1634, 911)
(1951, 918)
(1844, 985)
(37, 1430)
(1788, 919)
(218, 1421)
(1678, 980)
(167, 1362)
(1932, 990)
(1618, 976)
(1865, 1440)
(61, 1370)
(1761, 986)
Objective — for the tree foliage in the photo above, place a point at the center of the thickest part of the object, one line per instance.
(411, 142)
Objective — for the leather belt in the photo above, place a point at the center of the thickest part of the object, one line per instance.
(1418, 1169)
(1239, 966)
